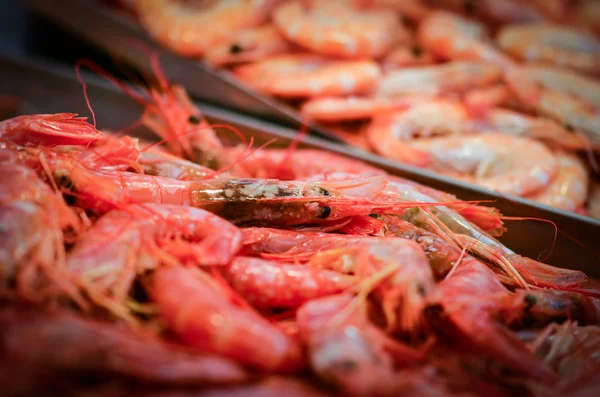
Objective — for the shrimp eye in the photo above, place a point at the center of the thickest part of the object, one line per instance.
(416, 51)
(235, 49)
(530, 300)
(324, 192)
(326, 212)
(469, 6)
(569, 127)
(194, 120)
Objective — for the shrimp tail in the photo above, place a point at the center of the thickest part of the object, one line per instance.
(49, 129)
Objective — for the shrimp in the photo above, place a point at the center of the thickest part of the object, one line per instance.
(298, 164)
(480, 100)
(333, 109)
(507, 164)
(158, 163)
(336, 28)
(450, 36)
(32, 220)
(442, 255)
(389, 134)
(561, 46)
(249, 45)
(125, 241)
(63, 343)
(453, 77)
(268, 284)
(573, 352)
(347, 350)
(49, 130)
(201, 313)
(306, 75)
(568, 189)
(570, 98)
(538, 308)
(500, 120)
(293, 202)
(408, 284)
(468, 298)
(191, 31)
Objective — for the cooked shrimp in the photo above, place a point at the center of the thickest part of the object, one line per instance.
(518, 124)
(392, 134)
(61, 342)
(299, 164)
(49, 130)
(454, 77)
(158, 163)
(202, 313)
(331, 109)
(538, 308)
(449, 36)
(566, 96)
(32, 220)
(347, 350)
(336, 28)
(469, 297)
(304, 75)
(507, 164)
(269, 284)
(124, 242)
(248, 45)
(558, 45)
(568, 189)
(193, 30)
(408, 284)
(479, 100)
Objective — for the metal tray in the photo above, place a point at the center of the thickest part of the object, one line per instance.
(122, 38)
(45, 87)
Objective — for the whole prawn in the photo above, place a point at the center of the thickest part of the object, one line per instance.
(347, 350)
(201, 312)
(467, 297)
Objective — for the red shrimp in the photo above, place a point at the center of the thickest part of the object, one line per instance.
(49, 130)
(541, 307)
(32, 219)
(347, 350)
(125, 242)
(407, 277)
(269, 284)
(202, 314)
(468, 297)
(66, 344)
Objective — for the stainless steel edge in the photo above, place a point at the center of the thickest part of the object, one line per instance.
(53, 88)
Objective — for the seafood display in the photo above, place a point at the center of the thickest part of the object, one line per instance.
(199, 266)
(510, 87)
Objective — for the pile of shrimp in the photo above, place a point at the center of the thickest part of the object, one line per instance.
(500, 93)
(195, 267)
